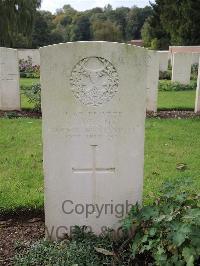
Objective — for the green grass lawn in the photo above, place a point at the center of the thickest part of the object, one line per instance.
(184, 100)
(21, 181)
(168, 142)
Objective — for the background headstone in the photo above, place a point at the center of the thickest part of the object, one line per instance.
(152, 81)
(197, 103)
(93, 103)
(163, 60)
(195, 58)
(181, 67)
(184, 49)
(9, 80)
(33, 53)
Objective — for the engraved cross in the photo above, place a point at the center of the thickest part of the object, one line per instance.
(94, 170)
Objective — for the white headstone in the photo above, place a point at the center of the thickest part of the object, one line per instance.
(163, 60)
(93, 103)
(152, 81)
(34, 54)
(9, 80)
(195, 58)
(181, 67)
(197, 103)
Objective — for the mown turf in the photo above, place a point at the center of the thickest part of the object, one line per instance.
(177, 100)
(21, 181)
(168, 142)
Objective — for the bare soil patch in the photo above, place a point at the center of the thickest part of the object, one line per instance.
(19, 233)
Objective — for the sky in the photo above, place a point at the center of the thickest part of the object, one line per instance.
(52, 5)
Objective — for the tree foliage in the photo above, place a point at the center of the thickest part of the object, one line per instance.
(16, 18)
(67, 24)
(80, 28)
(107, 31)
(164, 23)
(136, 19)
(173, 22)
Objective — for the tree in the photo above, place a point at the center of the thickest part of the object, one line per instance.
(175, 22)
(41, 32)
(106, 31)
(136, 19)
(45, 32)
(68, 24)
(108, 8)
(146, 34)
(17, 17)
(153, 34)
(63, 22)
(80, 30)
(120, 18)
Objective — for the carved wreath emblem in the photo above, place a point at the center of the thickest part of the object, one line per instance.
(94, 81)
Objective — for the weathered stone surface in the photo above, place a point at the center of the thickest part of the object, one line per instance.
(9, 80)
(195, 58)
(152, 81)
(93, 102)
(163, 60)
(33, 53)
(181, 67)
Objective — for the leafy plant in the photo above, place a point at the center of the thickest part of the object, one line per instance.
(166, 85)
(165, 75)
(194, 72)
(79, 251)
(27, 69)
(167, 233)
(169, 229)
(33, 94)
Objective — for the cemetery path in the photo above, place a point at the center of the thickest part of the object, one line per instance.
(17, 235)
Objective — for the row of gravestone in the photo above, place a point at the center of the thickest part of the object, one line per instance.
(156, 61)
(181, 72)
(181, 61)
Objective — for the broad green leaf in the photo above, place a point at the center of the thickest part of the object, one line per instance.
(149, 212)
(152, 231)
(188, 254)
